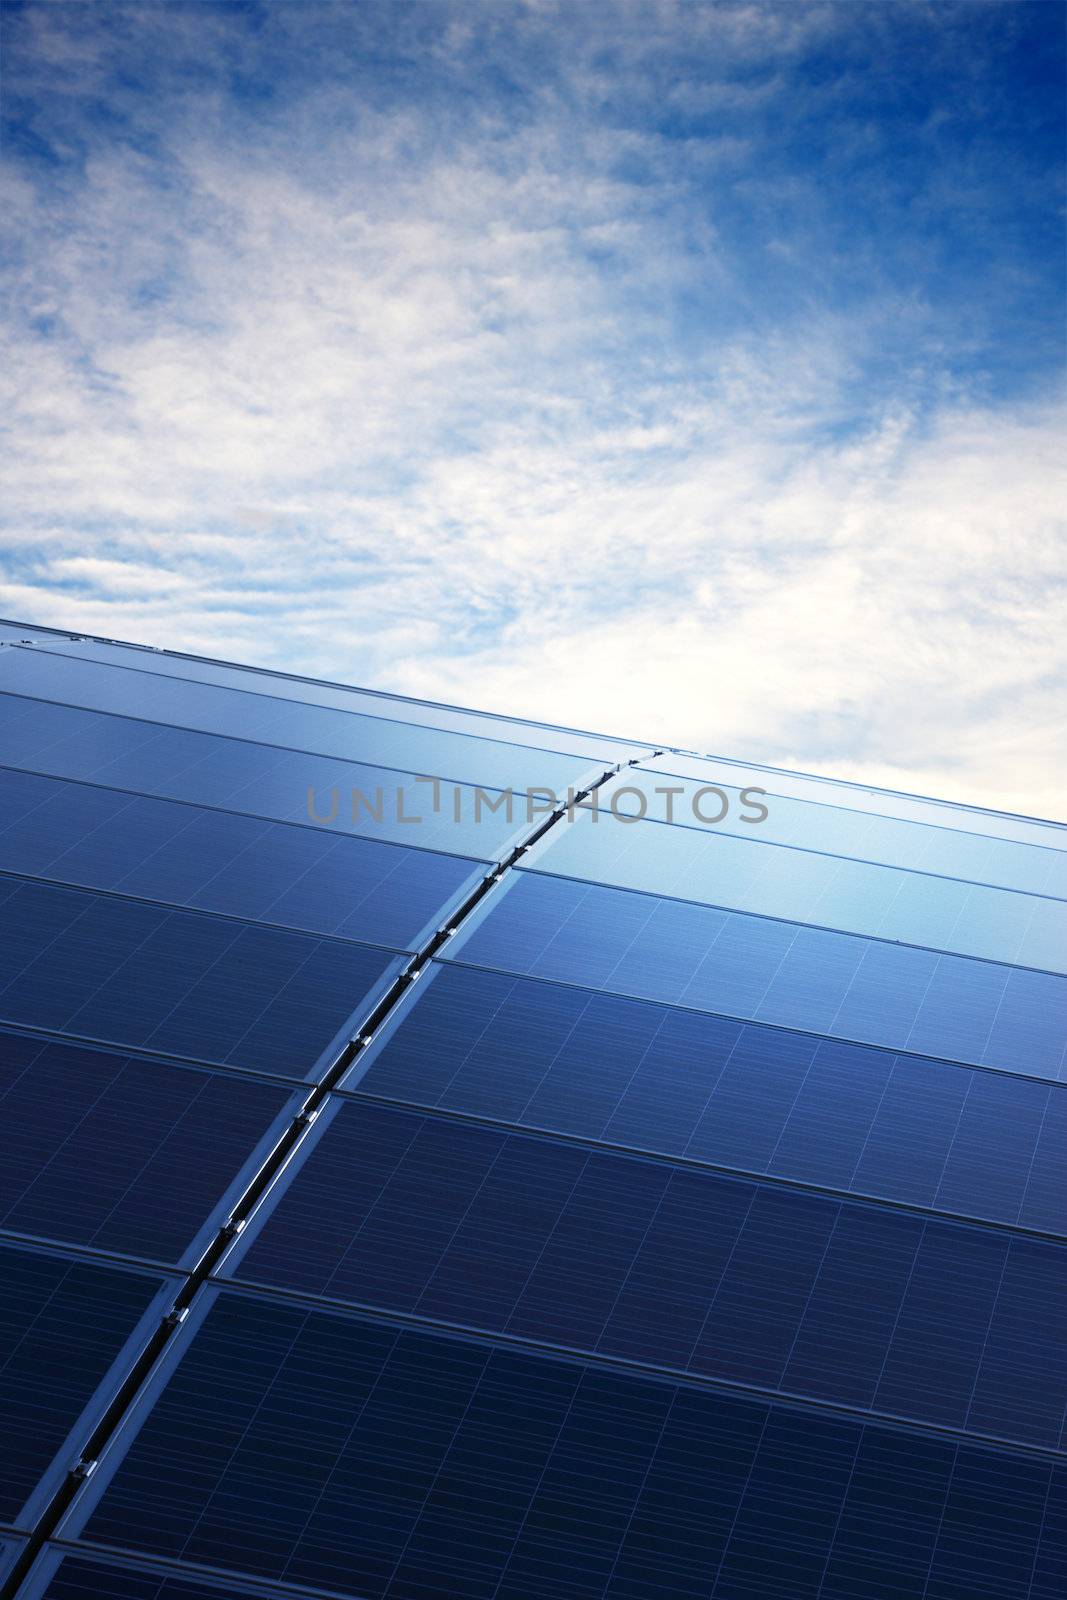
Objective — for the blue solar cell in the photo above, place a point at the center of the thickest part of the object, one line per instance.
(338, 1454)
(631, 1258)
(745, 874)
(258, 779)
(78, 1577)
(672, 767)
(593, 747)
(179, 982)
(124, 1154)
(780, 972)
(318, 729)
(63, 1323)
(213, 860)
(944, 847)
(763, 1100)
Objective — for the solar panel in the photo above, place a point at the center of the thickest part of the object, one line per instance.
(181, 982)
(320, 730)
(826, 888)
(694, 1229)
(307, 878)
(315, 692)
(740, 1095)
(862, 799)
(750, 1283)
(63, 1576)
(765, 971)
(819, 821)
(257, 779)
(126, 1154)
(381, 1462)
(64, 1324)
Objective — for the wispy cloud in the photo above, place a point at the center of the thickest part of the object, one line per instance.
(677, 369)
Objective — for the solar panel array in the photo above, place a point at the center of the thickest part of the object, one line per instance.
(693, 1228)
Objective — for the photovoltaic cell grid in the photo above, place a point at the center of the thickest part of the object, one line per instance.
(662, 1244)
(940, 840)
(240, 775)
(136, 973)
(123, 1153)
(808, 1295)
(739, 1095)
(487, 1472)
(320, 730)
(183, 855)
(76, 1578)
(824, 889)
(874, 992)
(63, 1324)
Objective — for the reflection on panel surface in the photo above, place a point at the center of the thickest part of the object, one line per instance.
(259, 779)
(708, 867)
(269, 872)
(693, 1230)
(62, 1324)
(118, 1153)
(944, 847)
(344, 1455)
(177, 981)
(857, 798)
(751, 967)
(750, 1283)
(319, 730)
(593, 747)
(763, 1100)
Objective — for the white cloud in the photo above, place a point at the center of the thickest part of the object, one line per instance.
(423, 412)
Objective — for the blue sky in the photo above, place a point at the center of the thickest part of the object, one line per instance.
(687, 370)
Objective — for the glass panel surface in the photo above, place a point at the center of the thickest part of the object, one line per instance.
(342, 1455)
(179, 982)
(779, 972)
(256, 779)
(268, 872)
(804, 886)
(62, 1325)
(422, 713)
(762, 1100)
(952, 847)
(859, 797)
(119, 1153)
(734, 1280)
(78, 1577)
(316, 729)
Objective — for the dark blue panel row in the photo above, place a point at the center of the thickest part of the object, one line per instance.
(780, 972)
(62, 1576)
(178, 981)
(124, 1154)
(760, 1099)
(63, 1324)
(394, 1464)
(751, 1283)
(270, 872)
(318, 729)
(260, 779)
